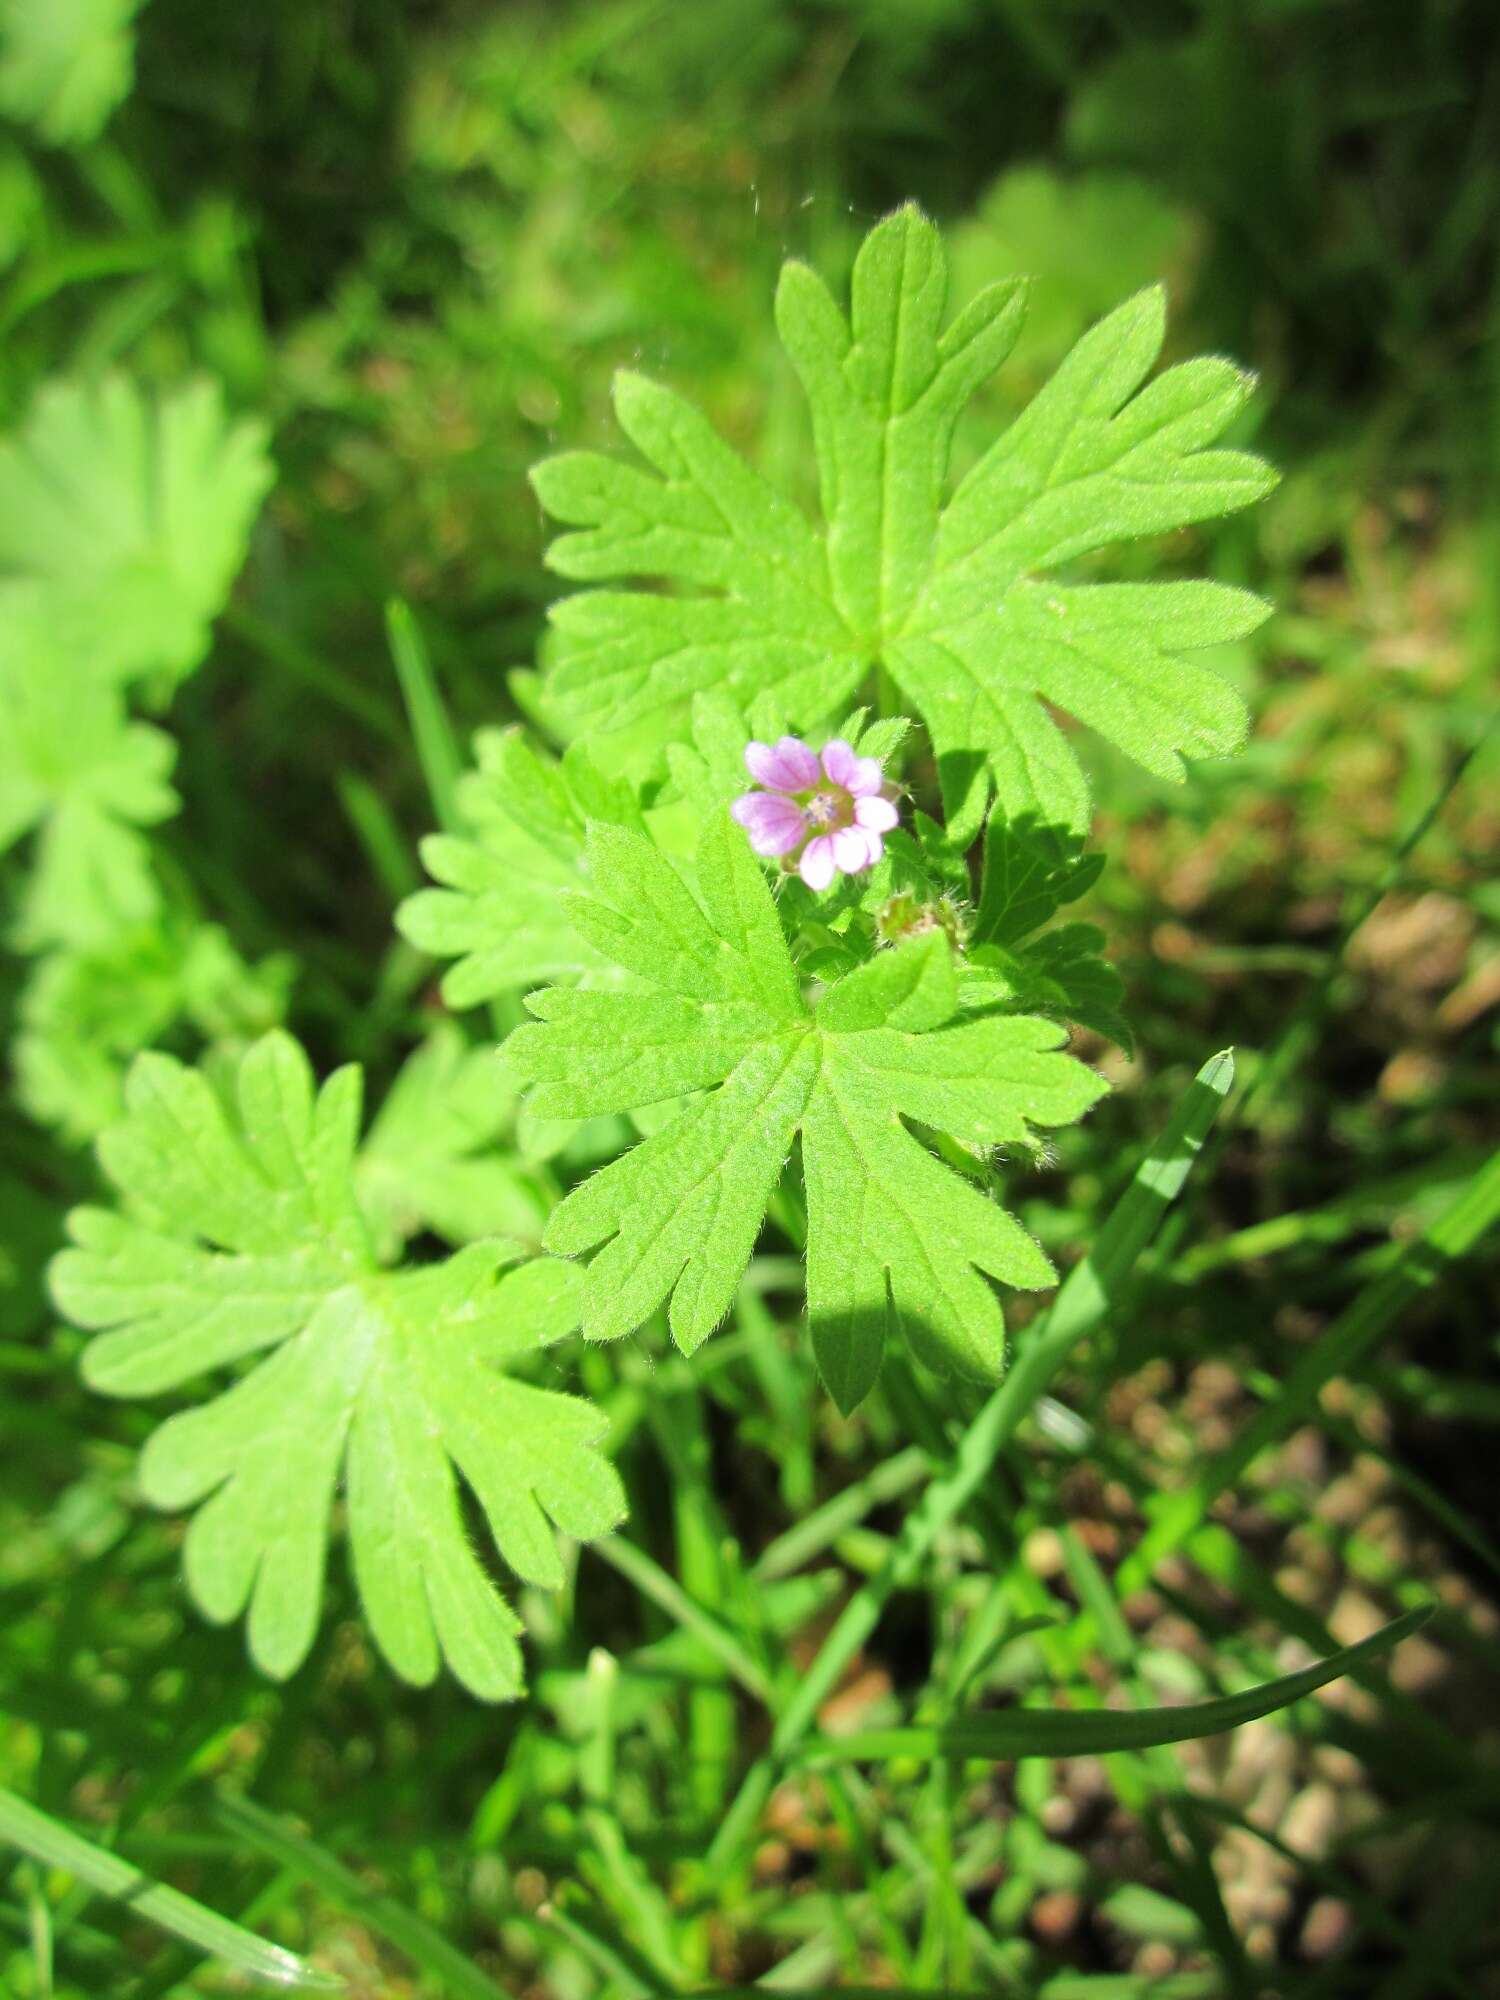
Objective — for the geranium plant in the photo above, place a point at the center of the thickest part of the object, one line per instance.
(782, 952)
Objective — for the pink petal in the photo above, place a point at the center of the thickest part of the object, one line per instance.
(788, 767)
(816, 865)
(851, 849)
(875, 844)
(858, 775)
(775, 825)
(876, 814)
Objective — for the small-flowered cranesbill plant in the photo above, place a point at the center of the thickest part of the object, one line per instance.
(839, 991)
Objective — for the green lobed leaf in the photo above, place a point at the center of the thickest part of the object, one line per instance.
(66, 64)
(239, 1235)
(945, 591)
(80, 776)
(1030, 872)
(135, 513)
(499, 911)
(715, 1012)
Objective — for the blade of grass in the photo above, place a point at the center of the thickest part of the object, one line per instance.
(1189, 1859)
(1057, 1732)
(56, 1846)
(300, 663)
(409, 1933)
(1061, 1986)
(846, 1509)
(432, 732)
(1319, 1228)
(703, 1541)
(623, 1967)
(668, 1595)
(626, 1887)
(381, 838)
(1299, 1035)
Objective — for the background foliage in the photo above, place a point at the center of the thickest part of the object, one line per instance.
(309, 287)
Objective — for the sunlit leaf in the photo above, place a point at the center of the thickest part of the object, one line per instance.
(239, 1235)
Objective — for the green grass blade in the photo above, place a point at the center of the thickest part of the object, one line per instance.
(1093, 1285)
(845, 1510)
(310, 670)
(381, 838)
(48, 1841)
(668, 1595)
(1055, 1732)
(432, 732)
(1061, 1986)
(427, 1948)
(589, 1931)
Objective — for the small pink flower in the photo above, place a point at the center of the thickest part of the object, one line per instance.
(836, 808)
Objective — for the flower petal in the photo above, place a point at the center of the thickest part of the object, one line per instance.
(787, 766)
(858, 776)
(775, 825)
(816, 866)
(876, 814)
(851, 849)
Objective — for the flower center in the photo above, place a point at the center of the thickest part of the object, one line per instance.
(825, 809)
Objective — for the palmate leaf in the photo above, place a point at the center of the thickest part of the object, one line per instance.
(500, 911)
(716, 1008)
(136, 513)
(952, 595)
(239, 1235)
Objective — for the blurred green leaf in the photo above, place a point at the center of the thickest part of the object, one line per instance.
(65, 64)
(137, 511)
(81, 776)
